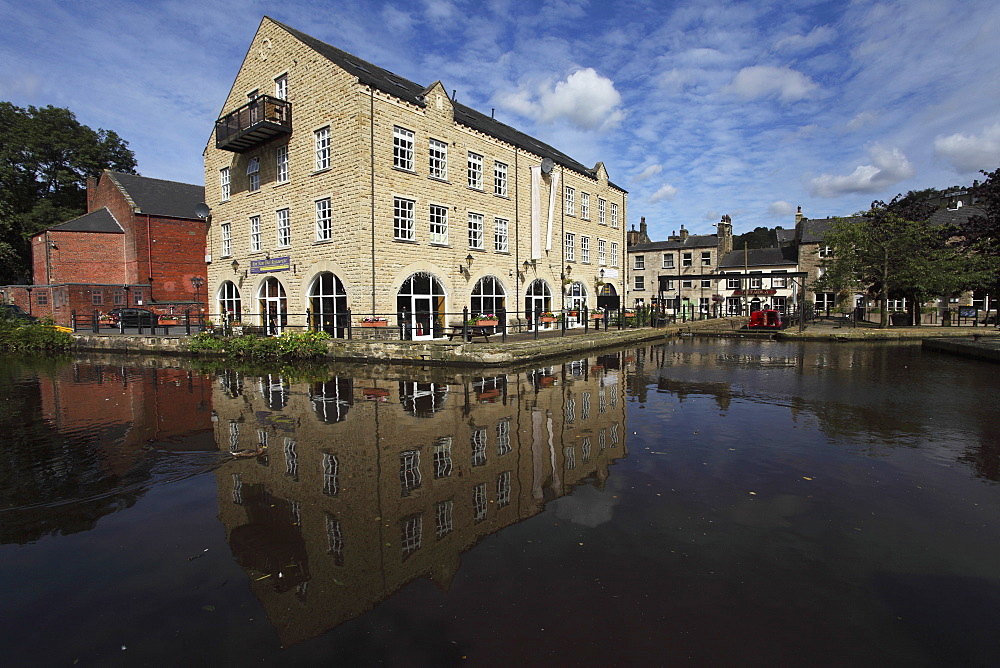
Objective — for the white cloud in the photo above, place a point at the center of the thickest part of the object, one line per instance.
(780, 209)
(765, 81)
(650, 171)
(816, 37)
(585, 98)
(970, 153)
(889, 166)
(666, 191)
(861, 120)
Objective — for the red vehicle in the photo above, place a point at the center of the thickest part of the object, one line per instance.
(766, 319)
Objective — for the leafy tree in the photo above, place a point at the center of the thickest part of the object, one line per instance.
(760, 237)
(981, 238)
(893, 251)
(46, 156)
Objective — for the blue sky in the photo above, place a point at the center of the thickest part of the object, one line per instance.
(698, 109)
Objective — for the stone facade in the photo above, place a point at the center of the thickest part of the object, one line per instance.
(385, 193)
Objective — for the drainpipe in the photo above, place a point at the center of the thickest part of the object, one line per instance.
(149, 259)
(371, 157)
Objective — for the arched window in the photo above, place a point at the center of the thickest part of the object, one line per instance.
(273, 305)
(537, 300)
(328, 304)
(421, 301)
(488, 296)
(229, 300)
(576, 300)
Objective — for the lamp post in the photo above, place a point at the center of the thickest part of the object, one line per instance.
(196, 283)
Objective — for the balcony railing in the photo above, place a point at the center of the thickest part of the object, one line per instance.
(256, 122)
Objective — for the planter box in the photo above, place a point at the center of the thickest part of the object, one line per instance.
(547, 319)
(487, 323)
(572, 314)
(377, 323)
(597, 316)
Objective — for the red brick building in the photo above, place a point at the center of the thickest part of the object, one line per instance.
(139, 244)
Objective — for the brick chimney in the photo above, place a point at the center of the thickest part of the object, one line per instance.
(91, 193)
(684, 234)
(725, 236)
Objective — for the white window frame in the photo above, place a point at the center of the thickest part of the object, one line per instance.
(437, 159)
(476, 231)
(668, 261)
(226, 229)
(687, 260)
(585, 205)
(324, 220)
(706, 258)
(253, 174)
(281, 164)
(640, 282)
(438, 216)
(403, 219)
(639, 261)
(475, 169)
(614, 253)
(602, 208)
(225, 183)
(779, 281)
(585, 249)
(602, 252)
(281, 87)
(500, 179)
(402, 148)
(569, 246)
(614, 215)
(733, 283)
(570, 201)
(501, 235)
(283, 218)
(321, 140)
(255, 239)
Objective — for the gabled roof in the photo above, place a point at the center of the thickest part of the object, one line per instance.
(403, 89)
(693, 241)
(157, 197)
(95, 221)
(956, 216)
(813, 230)
(760, 257)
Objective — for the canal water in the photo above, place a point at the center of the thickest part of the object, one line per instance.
(704, 502)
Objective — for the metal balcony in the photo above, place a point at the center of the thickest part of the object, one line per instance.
(253, 124)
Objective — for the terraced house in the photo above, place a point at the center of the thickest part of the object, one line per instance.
(339, 190)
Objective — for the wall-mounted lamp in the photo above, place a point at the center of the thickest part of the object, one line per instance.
(467, 270)
(569, 269)
(468, 260)
(53, 246)
(601, 273)
(236, 267)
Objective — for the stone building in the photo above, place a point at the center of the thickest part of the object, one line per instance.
(336, 185)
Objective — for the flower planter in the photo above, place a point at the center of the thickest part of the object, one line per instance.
(376, 323)
(487, 323)
(572, 314)
(548, 319)
(375, 393)
(596, 316)
(488, 395)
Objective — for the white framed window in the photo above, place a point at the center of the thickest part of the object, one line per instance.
(281, 164)
(443, 465)
(409, 471)
(500, 179)
(706, 258)
(402, 219)
(439, 224)
(668, 261)
(640, 261)
(756, 282)
(227, 239)
(602, 207)
(503, 489)
(437, 157)
(479, 502)
(570, 201)
(687, 260)
(614, 215)
(442, 518)
(602, 252)
(324, 220)
(825, 251)
(706, 282)
(475, 171)
(224, 183)
(640, 282)
(570, 247)
(253, 175)
(614, 253)
(500, 235)
(732, 284)
(477, 442)
(779, 281)
(585, 205)
(322, 143)
(402, 148)
(412, 530)
(281, 87)
(585, 250)
(503, 437)
(255, 240)
(475, 230)
(284, 228)
(685, 284)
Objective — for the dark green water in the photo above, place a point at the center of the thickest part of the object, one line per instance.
(749, 503)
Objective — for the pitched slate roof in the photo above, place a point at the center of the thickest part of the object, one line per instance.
(392, 84)
(693, 241)
(95, 221)
(157, 197)
(760, 257)
(956, 216)
(813, 230)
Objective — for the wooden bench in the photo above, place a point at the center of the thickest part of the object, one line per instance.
(474, 330)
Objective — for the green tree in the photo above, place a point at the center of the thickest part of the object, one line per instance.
(893, 251)
(760, 237)
(981, 238)
(46, 156)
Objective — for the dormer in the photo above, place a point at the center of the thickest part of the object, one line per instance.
(436, 100)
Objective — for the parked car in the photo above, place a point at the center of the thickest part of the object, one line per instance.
(15, 312)
(132, 317)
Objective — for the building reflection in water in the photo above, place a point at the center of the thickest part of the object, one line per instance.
(343, 491)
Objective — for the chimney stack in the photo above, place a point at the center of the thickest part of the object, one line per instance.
(91, 193)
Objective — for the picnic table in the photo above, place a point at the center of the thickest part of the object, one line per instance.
(474, 330)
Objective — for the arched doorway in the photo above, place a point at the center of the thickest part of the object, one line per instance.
(328, 305)
(607, 297)
(488, 296)
(537, 300)
(230, 303)
(576, 300)
(273, 306)
(420, 300)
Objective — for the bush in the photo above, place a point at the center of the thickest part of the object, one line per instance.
(16, 336)
(290, 345)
